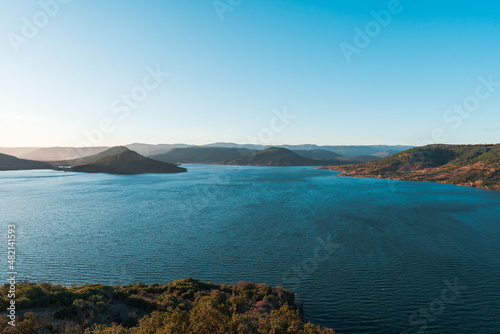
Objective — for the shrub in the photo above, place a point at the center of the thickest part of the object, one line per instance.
(63, 313)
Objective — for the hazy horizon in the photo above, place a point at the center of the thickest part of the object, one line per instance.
(239, 144)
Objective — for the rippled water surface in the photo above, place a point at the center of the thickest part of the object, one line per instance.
(364, 255)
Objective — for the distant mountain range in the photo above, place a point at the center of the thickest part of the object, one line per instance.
(465, 165)
(122, 160)
(347, 150)
(116, 160)
(69, 153)
(244, 156)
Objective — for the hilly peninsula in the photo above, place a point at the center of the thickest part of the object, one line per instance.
(464, 165)
(10, 163)
(120, 160)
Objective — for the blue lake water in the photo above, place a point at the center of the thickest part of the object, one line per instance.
(363, 255)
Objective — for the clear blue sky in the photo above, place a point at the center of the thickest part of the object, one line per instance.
(227, 76)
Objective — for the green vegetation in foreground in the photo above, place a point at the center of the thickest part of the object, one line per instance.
(184, 306)
(465, 165)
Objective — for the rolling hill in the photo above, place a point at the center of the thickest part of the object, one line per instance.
(465, 165)
(351, 160)
(9, 162)
(149, 150)
(127, 162)
(317, 154)
(92, 158)
(202, 155)
(274, 156)
(383, 154)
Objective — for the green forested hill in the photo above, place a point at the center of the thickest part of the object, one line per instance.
(464, 165)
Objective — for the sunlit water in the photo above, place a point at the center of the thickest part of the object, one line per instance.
(364, 255)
